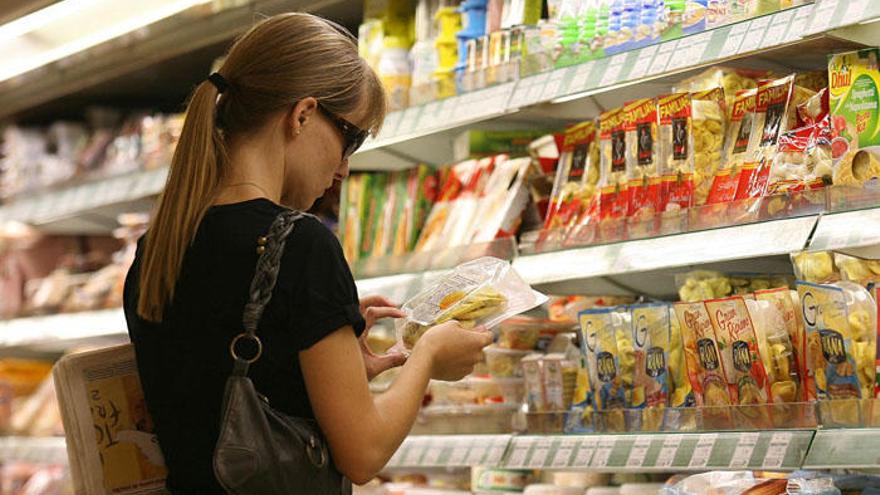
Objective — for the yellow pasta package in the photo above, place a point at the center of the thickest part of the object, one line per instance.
(650, 336)
(740, 145)
(709, 118)
(704, 365)
(676, 152)
(738, 346)
(681, 394)
(776, 349)
(642, 163)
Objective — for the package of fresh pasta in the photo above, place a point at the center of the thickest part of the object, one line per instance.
(642, 157)
(485, 291)
(787, 315)
(676, 149)
(681, 394)
(738, 345)
(613, 190)
(815, 266)
(709, 123)
(740, 146)
(841, 327)
(776, 350)
(599, 330)
(650, 337)
(580, 417)
(576, 176)
(858, 270)
(704, 365)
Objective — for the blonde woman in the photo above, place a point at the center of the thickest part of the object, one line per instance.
(272, 129)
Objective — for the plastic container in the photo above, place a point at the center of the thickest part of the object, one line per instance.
(641, 488)
(465, 420)
(487, 479)
(504, 363)
(395, 72)
(453, 393)
(603, 490)
(578, 479)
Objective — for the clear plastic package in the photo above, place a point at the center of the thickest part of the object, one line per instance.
(740, 145)
(858, 270)
(485, 291)
(702, 285)
(642, 157)
(776, 350)
(504, 363)
(704, 364)
(676, 150)
(815, 266)
(709, 122)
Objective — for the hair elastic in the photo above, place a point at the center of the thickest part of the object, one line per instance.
(219, 82)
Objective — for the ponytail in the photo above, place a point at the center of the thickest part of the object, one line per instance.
(193, 178)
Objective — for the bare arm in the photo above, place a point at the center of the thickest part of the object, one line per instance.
(364, 432)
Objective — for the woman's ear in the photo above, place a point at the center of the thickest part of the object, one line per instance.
(302, 114)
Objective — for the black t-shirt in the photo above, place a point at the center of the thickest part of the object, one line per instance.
(184, 361)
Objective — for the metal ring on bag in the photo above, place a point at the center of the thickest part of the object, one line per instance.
(246, 336)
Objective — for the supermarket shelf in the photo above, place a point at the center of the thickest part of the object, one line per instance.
(782, 449)
(797, 38)
(56, 332)
(90, 207)
(844, 448)
(760, 243)
(854, 232)
(49, 450)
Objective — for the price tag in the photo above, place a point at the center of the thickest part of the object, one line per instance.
(702, 451)
(600, 458)
(643, 63)
(749, 438)
(855, 11)
(585, 453)
(475, 456)
(638, 452)
(612, 72)
(661, 60)
(539, 458)
(741, 456)
(755, 35)
(432, 456)
(607, 441)
(518, 457)
(734, 40)
(495, 456)
(798, 24)
(666, 457)
(581, 77)
(823, 13)
(553, 88)
(413, 455)
(562, 457)
(775, 455)
(781, 438)
(680, 54)
(778, 27)
(458, 456)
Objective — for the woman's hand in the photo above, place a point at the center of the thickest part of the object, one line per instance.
(373, 309)
(453, 350)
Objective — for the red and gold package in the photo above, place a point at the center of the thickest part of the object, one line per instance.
(642, 157)
(613, 191)
(746, 377)
(704, 365)
(676, 152)
(576, 176)
(741, 144)
(769, 120)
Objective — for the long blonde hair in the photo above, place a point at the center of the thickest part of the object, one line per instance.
(278, 62)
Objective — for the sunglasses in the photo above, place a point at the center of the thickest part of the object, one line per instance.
(352, 135)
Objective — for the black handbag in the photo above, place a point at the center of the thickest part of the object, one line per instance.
(261, 450)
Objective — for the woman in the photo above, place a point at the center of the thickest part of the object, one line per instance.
(275, 126)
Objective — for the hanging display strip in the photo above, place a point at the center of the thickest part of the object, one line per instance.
(450, 451)
(829, 14)
(856, 448)
(69, 201)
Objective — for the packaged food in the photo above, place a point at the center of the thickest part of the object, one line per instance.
(731, 80)
(614, 195)
(580, 417)
(701, 285)
(534, 380)
(704, 365)
(676, 150)
(876, 293)
(841, 326)
(391, 214)
(709, 127)
(485, 291)
(463, 213)
(374, 203)
(560, 378)
(453, 182)
(503, 202)
(857, 270)
(854, 86)
(770, 119)
(598, 329)
(421, 189)
(504, 363)
(681, 392)
(650, 337)
(642, 160)
(814, 80)
(816, 267)
(776, 350)
(576, 176)
(350, 213)
(695, 13)
(798, 164)
(526, 333)
(741, 143)
(742, 363)
(787, 314)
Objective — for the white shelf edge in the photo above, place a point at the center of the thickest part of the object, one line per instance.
(36, 330)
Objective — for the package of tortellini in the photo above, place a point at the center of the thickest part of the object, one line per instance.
(841, 327)
(731, 80)
(783, 313)
(676, 151)
(600, 339)
(815, 266)
(709, 126)
(485, 291)
(857, 270)
(681, 394)
(580, 417)
(740, 146)
(701, 285)
(576, 176)
(802, 161)
(776, 350)
(704, 365)
(614, 194)
(642, 157)
(740, 355)
(650, 337)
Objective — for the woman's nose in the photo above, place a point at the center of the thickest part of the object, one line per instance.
(342, 171)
